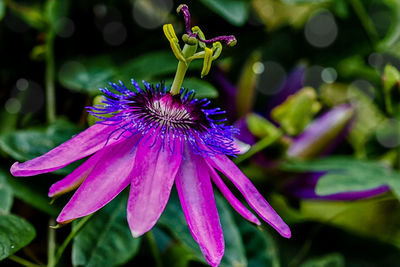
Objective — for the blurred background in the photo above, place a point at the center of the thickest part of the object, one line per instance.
(313, 87)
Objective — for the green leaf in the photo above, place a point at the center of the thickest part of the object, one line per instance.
(202, 88)
(55, 10)
(31, 193)
(15, 233)
(87, 75)
(150, 65)
(391, 78)
(329, 260)
(6, 195)
(346, 174)
(24, 145)
(31, 15)
(174, 220)
(260, 126)
(297, 111)
(2, 9)
(393, 33)
(261, 249)
(106, 239)
(234, 11)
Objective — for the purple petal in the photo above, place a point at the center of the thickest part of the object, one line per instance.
(197, 199)
(250, 193)
(153, 177)
(235, 203)
(80, 146)
(108, 178)
(322, 135)
(304, 187)
(74, 179)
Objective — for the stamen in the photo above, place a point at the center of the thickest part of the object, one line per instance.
(227, 39)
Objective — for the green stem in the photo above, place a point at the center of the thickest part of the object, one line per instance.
(154, 248)
(23, 262)
(66, 242)
(51, 245)
(49, 79)
(365, 21)
(188, 51)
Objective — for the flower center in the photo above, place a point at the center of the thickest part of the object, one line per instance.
(169, 112)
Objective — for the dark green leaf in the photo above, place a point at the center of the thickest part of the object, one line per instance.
(2, 9)
(87, 75)
(174, 219)
(30, 193)
(202, 88)
(31, 15)
(150, 65)
(24, 145)
(106, 239)
(55, 10)
(330, 260)
(6, 195)
(292, 2)
(260, 247)
(15, 233)
(234, 11)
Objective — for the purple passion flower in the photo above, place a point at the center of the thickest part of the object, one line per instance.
(151, 140)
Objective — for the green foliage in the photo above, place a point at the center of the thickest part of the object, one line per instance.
(261, 249)
(234, 11)
(330, 260)
(87, 75)
(26, 144)
(106, 239)
(297, 111)
(15, 233)
(346, 174)
(6, 195)
(2, 9)
(173, 219)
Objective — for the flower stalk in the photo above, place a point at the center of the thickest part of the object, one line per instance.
(49, 79)
(188, 51)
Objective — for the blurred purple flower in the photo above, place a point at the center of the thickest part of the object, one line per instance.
(152, 140)
(323, 134)
(320, 138)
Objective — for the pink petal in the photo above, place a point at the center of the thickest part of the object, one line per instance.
(198, 203)
(250, 193)
(74, 179)
(80, 146)
(108, 178)
(153, 177)
(235, 203)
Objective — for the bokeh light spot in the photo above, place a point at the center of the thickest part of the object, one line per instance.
(271, 79)
(329, 75)
(388, 133)
(12, 105)
(151, 14)
(22, 84)
(114, 33)
(321, 30)
(258, 67)
(313, 76)
(65, 27)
